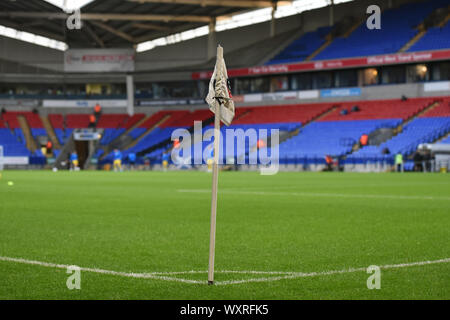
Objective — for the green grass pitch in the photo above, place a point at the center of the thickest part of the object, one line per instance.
(144, 222)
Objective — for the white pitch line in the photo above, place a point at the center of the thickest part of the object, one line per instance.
(160, 275)
(102, 271)
(312, 194)
(326, 273)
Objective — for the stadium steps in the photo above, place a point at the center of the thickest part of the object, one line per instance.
(242, 115)
(30, 142)
(323, 114)
(107, 149)
(135, 142)
(92, 150)
(400, 127)
(320, 49)
(299, 129)
(424, 26)
(414, 39)
(61, 161)
(444, 21)
(353, 28)
(329, 40)
(50, 132)
(445, 136)
(416, 115)
(285, 42)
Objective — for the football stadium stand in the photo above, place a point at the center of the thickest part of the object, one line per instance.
(329, 126)
(303, 47)
(392, 36)
(435, 38)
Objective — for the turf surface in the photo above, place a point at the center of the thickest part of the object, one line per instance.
(159, 222)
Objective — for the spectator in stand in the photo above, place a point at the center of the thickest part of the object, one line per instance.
(92, 121)
(97, 110)
(355, 108)
(49, 147)
(363, 140)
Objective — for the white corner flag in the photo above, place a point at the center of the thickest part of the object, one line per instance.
(219, 90)
(220, 102)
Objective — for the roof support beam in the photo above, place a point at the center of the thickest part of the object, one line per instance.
(149, 26)
(94, 36)
(219, 3)
(118, 33)
(107, 16)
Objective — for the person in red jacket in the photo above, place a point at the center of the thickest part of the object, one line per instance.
(363, 140)
(97, 109)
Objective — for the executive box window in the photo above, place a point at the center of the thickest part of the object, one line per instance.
(184, 89)
(260, 84)
(252, 85)
(322, 80)
(395, 74)
(441, 71)
(370, 76)
(345, 78)
(243, 86)
(418, 73)
(302, 81)
(279, 83)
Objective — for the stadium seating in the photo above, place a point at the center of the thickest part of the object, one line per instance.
(376, 109)
(442, 110)
(57, 122)
(395, 32)
(77, 121)
(302, 113)
(301, 48)
(13, 139)
(434, 39)
(420, 130)
(324, 128)
(12, 147)
(335, 138)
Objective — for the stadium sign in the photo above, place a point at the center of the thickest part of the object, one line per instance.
(16, 161)
(50, 103)
(86, 135)
(99, 60)
(19, 103)
(396, 58)
(437, 86)
(344, 92)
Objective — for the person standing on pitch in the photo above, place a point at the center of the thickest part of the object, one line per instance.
(73, 161)
(117, 164)
(165, 160)
(132, 160)
(399, 162)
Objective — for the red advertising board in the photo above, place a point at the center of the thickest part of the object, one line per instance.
(395, 58)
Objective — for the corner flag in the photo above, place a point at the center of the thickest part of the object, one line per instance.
(219, 90)
(221, 104)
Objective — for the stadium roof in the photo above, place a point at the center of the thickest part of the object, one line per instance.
(119, 23)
